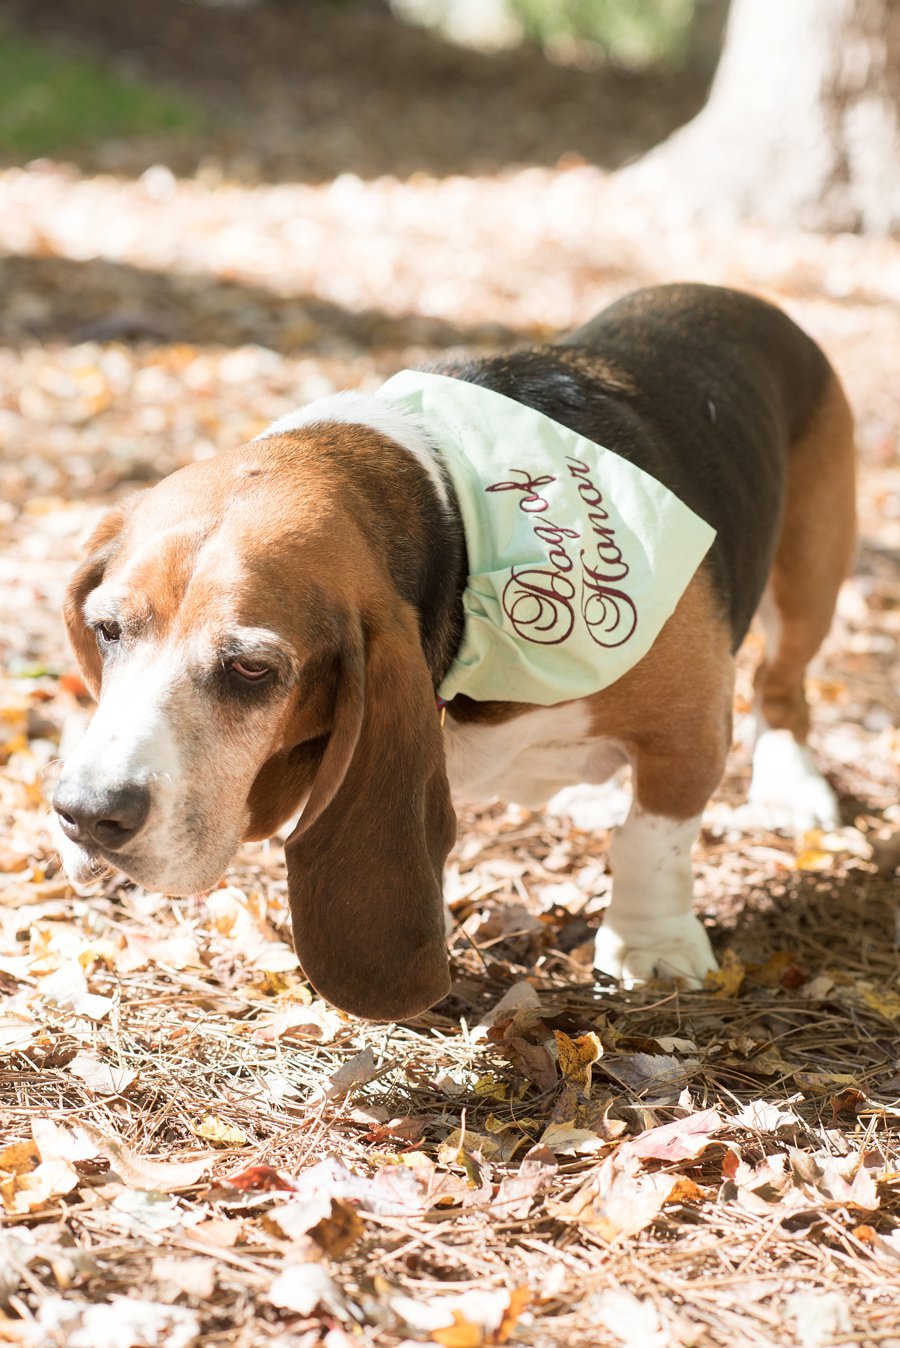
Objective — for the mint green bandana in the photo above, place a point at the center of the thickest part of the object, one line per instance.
(576, 557)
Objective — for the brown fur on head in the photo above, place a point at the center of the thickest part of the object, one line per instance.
(100, 549)
(250, 553)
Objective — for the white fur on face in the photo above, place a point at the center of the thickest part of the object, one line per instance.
(156, 725)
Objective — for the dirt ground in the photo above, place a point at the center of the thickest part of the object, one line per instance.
(197, 1150)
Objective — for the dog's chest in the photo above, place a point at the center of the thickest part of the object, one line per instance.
(528, 759)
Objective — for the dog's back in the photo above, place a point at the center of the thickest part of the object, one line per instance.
(704, 388)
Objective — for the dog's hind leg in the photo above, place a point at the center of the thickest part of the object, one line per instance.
(813, 557)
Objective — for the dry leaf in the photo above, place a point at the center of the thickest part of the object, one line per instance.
(100, 1077)
(404, 1129)
(119, 1322)
(221, 1134)
(516, 1193)
(145, 1214)
(58, 1143)
(763, 1117)
(295, 1219)
(819, 1317)
(68, 989)
(658, 1076)
(16, 1032)
(34, 1190)
(168, 952)
(616, 1200)
(317, 1023)
(634, 1321)
(753, 1057)
(885, 1248)
(491, 1088)
(883, 1000)
(782, 969)
(301, 1288)
(193, 1277)
(526, 1041)
(679, 1141)
(461, 1145)
(357, 1071)
(886, 851)
(568, 1139)
(140, 1171)
(799, 1181)
(575, 1057)
(19, 1157)
(520, 997)
(221, 1231)
(812, 857)
(838, 1179)
(462, 1333)
(259, 1178)
(727, 979)
(519, 1299)
(534, 1061)
(823, 1083)
(339, 1231)
(470, 1320)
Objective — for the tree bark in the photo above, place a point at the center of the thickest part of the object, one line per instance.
(802, 125)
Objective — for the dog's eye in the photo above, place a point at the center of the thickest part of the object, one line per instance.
(108, 633)
(251, 671)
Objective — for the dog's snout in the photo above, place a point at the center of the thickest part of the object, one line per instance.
(110, 817)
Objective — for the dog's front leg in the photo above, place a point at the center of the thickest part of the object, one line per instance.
(649, 928)
(674, 723)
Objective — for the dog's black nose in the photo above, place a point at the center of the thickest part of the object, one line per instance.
(109, 817)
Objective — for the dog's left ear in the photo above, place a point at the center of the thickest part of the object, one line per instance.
(365, 862)
(101, 547)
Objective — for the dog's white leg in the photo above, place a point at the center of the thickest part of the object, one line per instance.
(649, 928)
(787, 790)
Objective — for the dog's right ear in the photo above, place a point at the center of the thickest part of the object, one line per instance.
(101, 547)
(365, 862)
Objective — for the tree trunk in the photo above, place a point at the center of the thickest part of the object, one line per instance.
(802, 125)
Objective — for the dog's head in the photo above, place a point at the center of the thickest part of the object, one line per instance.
(251, 654)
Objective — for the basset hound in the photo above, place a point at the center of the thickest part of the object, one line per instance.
(493, 578)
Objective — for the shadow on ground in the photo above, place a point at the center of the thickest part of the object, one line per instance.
(807, 987)
(58, 299)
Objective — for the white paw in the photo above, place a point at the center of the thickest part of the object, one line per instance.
(788, 792)
(668, 947)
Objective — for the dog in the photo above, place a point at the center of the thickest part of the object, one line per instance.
(493, 578)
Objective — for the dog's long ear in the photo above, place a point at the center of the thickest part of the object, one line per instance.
(365, 861)
(100, 548)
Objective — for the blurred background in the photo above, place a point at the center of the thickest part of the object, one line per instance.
(212, 211)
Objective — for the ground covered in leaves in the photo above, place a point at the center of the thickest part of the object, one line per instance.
(195, 1149)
